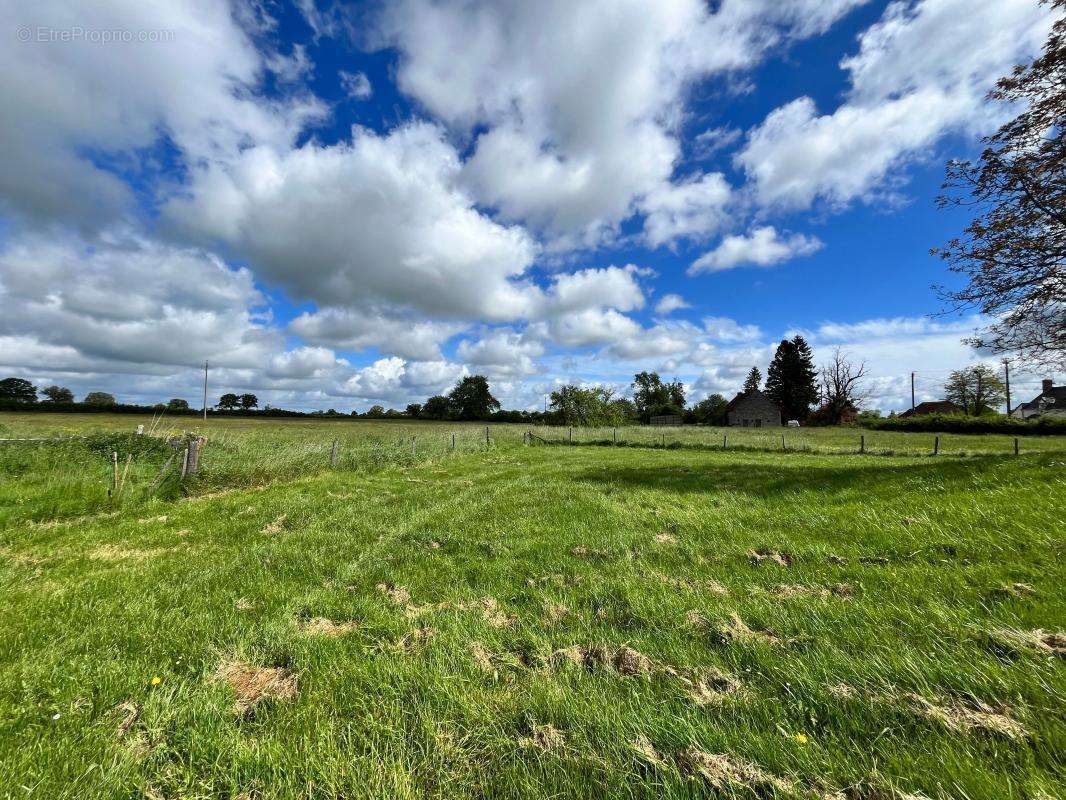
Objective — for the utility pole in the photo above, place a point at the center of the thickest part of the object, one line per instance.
(912, 392)
(205, 391)
(1006, 371)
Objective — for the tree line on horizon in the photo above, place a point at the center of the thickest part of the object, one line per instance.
(831, 395)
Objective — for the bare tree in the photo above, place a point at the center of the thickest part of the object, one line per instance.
(842, 388)
(1014, 251)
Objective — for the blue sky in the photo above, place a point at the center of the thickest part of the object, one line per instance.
(342, 205)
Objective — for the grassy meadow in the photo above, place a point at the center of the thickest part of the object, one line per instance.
(504, 621)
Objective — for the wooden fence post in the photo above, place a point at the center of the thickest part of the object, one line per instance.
(333, 454)
(1015, 445)
(114, 474)
(184, 463)
(725, 441)
(616, 435)
(486, 436)
(413, 451)
(782, 441)
(193, 464)
(453, 441)
(664, 440)
(936, 446)
(862, 443)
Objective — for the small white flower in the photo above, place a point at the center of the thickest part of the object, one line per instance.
(56, 716)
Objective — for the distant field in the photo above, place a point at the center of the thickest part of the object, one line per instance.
(547, 621)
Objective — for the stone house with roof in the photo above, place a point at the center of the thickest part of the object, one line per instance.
(753, 409)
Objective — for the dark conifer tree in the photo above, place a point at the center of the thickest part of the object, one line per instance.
(791, 380)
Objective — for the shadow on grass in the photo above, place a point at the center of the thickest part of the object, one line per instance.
(870, 477)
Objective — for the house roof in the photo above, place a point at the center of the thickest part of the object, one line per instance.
(751, 394)
(932, 407)
(1056, 396)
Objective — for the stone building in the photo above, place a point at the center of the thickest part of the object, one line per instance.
(753, 409)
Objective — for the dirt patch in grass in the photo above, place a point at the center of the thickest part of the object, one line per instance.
(252, 684)
(111, 552)
(490, 611)
(489, 607)
(1014, 590)
(128, 713)
(712, 687)
(321, 626)
(554, 613)
(276, 526)
(1034, 641)
(244, 604)
(415, 640)
(833, 558)
(957, 715)
(736, 631)
(730, 773)
(788, 591)
(874, 561)
(963, 717)
(646, 751)
(709, 586)
(397, 594)
(763, 555)
(543, 737)
(581, 551)
(623, 660)
(665, 538)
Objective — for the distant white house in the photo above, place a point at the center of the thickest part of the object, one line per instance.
(1051, 402)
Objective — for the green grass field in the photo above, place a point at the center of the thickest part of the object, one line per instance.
(546, 621)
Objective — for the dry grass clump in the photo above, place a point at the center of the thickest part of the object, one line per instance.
(276, 526)
(321, 626)
(736, 631)
(788, 591)
(960, 716)
(252, 684)
(1015, 590)
(1034, 641)
(415, 639)
(543, 737)
(762, 554)
(712, 687)
(729, 773)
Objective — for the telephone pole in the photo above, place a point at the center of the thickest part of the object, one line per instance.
(1006, 371)
(912, 392)
(205, 391)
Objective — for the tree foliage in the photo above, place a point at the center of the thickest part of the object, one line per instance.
(471, 398)
(228, 401)
(591, 407)
(710, 410)
(249, 401)
(653, 397)
(58, 394)
(751, 383)
(18, 390)
(976, 390)
(1013, 253)
(177, 404)
(100, 399)
(436, 407)
(791, 380)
